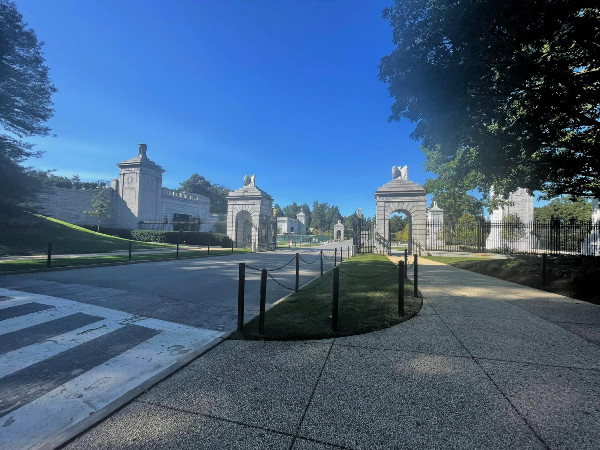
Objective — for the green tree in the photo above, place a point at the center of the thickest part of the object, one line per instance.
(508, 91)
(513, 228)
(465, 233)
(217, 194)
(398, 223)
(25, 106)
(565, 208)
(101, 206)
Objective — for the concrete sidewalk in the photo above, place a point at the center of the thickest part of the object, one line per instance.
(486, 364)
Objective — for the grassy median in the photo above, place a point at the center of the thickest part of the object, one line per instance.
(368, 301)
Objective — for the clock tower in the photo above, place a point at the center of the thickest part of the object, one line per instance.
(140, 186)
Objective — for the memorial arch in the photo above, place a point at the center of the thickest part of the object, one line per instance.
(404, 196)
(249, 219)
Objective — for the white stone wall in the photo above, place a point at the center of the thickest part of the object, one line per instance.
(194, 205)
(68, 205)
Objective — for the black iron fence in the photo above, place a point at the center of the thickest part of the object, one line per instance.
(551, 236)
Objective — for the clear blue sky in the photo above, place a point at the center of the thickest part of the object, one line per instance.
(286, 90)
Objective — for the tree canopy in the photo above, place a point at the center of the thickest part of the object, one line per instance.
(217, 194)
(503, 93)
(565, 208)
(25, 104)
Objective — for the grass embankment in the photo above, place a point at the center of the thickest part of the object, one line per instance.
(70, 239)
(365, 304)
(572, 276)
(66, 238)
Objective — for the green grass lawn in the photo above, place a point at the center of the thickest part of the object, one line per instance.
(40, 264)
(66, 238)
(365, 304)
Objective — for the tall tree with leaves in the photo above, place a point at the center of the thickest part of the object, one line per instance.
(197, 184)
(507, 91)
(25, 105)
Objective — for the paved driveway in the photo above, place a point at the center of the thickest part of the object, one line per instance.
(77, 344)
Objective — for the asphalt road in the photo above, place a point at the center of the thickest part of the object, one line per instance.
(77, 344)
(195, 292)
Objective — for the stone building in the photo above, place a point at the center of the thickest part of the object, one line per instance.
(137, 200)
(289, 225)
(513, 235)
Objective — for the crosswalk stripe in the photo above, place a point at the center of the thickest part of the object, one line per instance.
(25, 356)
(29, 320)
(91, 391)
(48, 420)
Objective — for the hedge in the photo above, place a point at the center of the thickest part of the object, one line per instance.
(183, 237)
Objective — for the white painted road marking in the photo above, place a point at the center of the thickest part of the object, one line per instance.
(47, 421)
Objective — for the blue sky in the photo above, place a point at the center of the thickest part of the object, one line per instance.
(286, 90)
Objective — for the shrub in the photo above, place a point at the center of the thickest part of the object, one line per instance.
(183, 237)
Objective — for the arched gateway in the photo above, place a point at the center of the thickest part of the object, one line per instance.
(249, 219)
(404, 196)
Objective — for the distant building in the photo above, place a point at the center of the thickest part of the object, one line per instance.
(289, 225)
(138, 200)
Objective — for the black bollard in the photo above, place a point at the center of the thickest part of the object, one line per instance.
(405, 263)
(297, 271)
(263, 297)
(543, 270)
(336, 293)
(241, 286)
(321, 262)
(401, 289)
(416, 269)
(49, 259)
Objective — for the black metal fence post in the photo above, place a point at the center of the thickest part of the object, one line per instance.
(401, 288)
(241, 286)
(405, 263)
(336, 293)
(543, 270)
(177, 250)
(416, 269)
(321, 262)
(297, 272)
(49, 259)
(129, 250)
(232, 246)
(335, 257)
(348, 252)
(263, 297)
(341, 255)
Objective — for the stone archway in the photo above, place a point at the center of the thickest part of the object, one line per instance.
(249, 219)
(405, 196)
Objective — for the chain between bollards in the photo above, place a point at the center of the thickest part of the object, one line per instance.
(263, 297)
(241, 286)
(49, 259)
(297, 272)
(335, 300)
(401, 288)
(416, 270)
